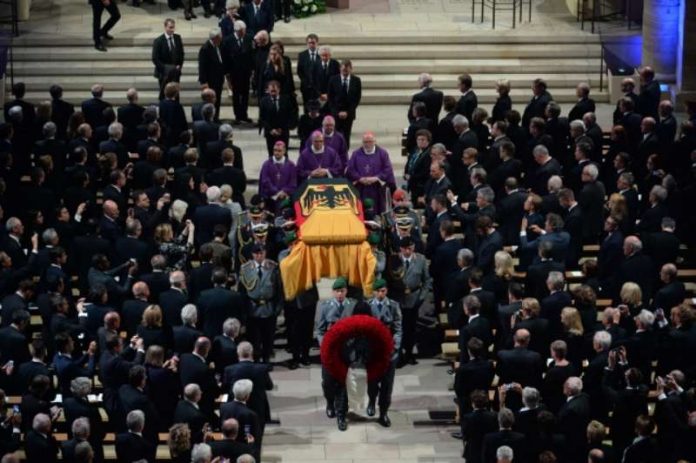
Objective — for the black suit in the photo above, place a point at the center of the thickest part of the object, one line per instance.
(224, 353)
(649, 99)
(520, 365)
(206, 217)
(670, 295)
(211, 70)
(322, 74)
(510, 210)
(261, 20)
(248, 419)
(341, 100)
(433, 103)
(258, 374)
(573, 418)
(193, 369)
(212, 155)
(93, 108)
(475, 374)
(13, 345)
(185, 337)
(276, 113)
(61, 111)
(639, 269)
(493, 441)
(466, 105)
(134, 399)
(230, 449)
(239, 56)
(132, 447)
(443, 264)
(132, 315)
(200, 279)
(171, 302)
(475, 426)
(551, 308)
(662, 246)
(74, 408)
(584, 105)
(215, 305)
(99, 31)
(591, 202)
(305, 71)
(535, 280)
(479, 328)
(173, 121)
(187, 412)
(157, 281)
(535, 108)
(168, 58)
(40, 449)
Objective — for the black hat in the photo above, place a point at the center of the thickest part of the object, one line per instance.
(405, 242)
(258, 247)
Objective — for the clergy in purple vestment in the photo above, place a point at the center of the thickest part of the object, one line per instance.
(371, 172)
(278, 178)
(333, 139)
(318, 160)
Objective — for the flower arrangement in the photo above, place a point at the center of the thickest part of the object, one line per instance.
(364, 326)
(305, 8)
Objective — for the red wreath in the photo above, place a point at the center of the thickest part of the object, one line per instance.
(378, 335)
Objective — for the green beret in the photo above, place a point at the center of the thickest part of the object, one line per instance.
(290, 237)
(373, 238)
(379, 284)
(340, 283)
(284, 203)
(368, 203)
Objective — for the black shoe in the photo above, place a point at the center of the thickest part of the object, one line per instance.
(293, 364)
(99, 46)
(193, 15)
(108, 36)
(401, 363)
(384, 420)
(370, 409)
(342, 423)
(287, 19)
(236, 122)
(187, 16)
(412, 360)
(330, 412)
(247, 120)
(305, 361)
(207, 14)
(456, 435)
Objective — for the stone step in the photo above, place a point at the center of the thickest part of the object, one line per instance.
(143, 37)
(369, 96)
(354, 52)
(509, 66)
(372, 81)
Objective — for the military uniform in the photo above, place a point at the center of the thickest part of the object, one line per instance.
(331, 311)
(299, 317)
(408, 281)
(389, 313)
(261, 285)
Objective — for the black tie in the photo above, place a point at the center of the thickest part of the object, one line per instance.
(408, 262)
(379, 306)
(340, 307)
(171, 44)
(311, 57)
(239, 42)
(260, 272)
(275, 103)
(345, 86)
(324, 64)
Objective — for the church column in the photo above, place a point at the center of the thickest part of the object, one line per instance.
(686, 57)
(661, 26)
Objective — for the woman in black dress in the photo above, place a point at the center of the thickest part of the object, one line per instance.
(503, 104)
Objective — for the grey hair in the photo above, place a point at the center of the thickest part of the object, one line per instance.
(574, 385)
(201, 453)
(460, 121)
(531, 397)
(189, 314)
(49, 235)
(555, 183)
(239, 25)
(504, 453)
(135, 420)
(178, 209)
(556, 280)
(603, 339)
(440, 147)
(246, 458)
(245, 350)
(487, 194)
(41, 421)
(212, 194)
(231, 327)
(80, 427)
(592, 171)
(49, 129)
(425, 79)
(214, 32)
(15, 111)
(577, 125)
(80, 387)
(242, 389)
(115, 130)
(646, 318)
(540, 150)
(191, 391)
(177, 277)
(324, 48)
(11, 223)
(225, 131)
(659, 192)
(465, 255)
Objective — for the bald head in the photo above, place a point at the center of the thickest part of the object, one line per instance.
(202, 346)
(110, 209)
(140, 290)
(522, 337)
(230, 428)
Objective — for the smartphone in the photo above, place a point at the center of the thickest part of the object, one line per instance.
(247, 429)
(15, 409)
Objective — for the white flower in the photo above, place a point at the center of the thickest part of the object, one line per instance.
(305, 9)
(297, 2)
(313, 9)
